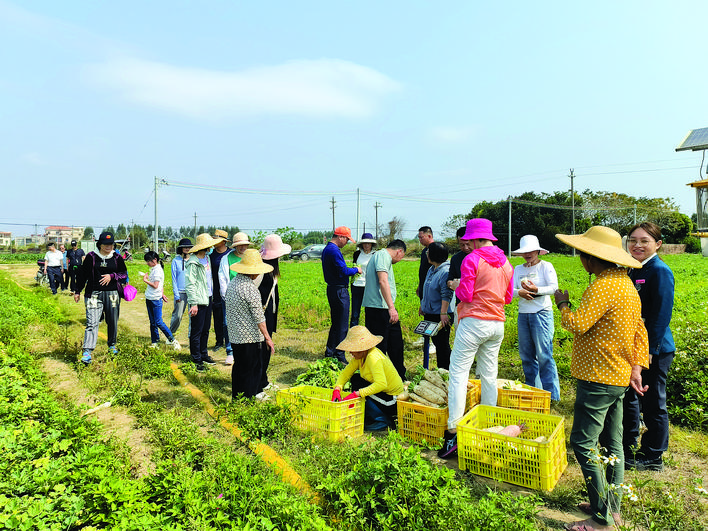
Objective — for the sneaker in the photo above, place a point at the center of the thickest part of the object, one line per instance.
(86, 357)
(653, 465)
(175, 344)
(229, 360)
(113, 349)
(200, 367)
(154, 345)
(208, 360)
(217, 348)
(449, 448)
(271, 387)
(262, 396)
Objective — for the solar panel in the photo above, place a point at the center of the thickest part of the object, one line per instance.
(695, 140)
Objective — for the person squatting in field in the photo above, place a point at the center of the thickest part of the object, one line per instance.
(377, 380)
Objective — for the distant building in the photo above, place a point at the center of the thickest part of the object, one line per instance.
(5, 239)
(34, 240)
(63, 234)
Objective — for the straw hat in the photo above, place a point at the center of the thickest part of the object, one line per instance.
(218, 233)
(528, 244)
(359, 339)
(273, 247)
(251, 264)
(240, 238)
(367, 237)
(204, 241)
(479, 229)
(601, 242)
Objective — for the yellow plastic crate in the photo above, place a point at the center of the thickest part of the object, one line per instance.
(426, 423)
(313, 410)
(526, 399)
(518, 460)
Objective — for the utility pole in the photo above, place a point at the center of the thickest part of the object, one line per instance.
(195, 227)
(358, 205)
(377, 205)
(572, 208)
(332, 207)
(155, 233)
(509, 226)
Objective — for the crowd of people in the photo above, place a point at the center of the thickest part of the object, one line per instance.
(622, 350)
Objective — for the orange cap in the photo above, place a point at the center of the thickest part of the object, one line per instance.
(344, 231)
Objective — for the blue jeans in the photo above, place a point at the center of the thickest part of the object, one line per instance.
(536, 351)
(598, 414)
(154, 309)
(652, 406)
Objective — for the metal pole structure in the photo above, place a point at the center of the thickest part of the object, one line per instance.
(377, 205)
(572, 199)
(333, 202)
(155, 238)
(635, 214)
(509, 226)
(358, 205)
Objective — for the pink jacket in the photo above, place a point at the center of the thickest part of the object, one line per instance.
(487, 284)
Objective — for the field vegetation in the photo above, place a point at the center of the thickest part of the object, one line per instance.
(156, 459)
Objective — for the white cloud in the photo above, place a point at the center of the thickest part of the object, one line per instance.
(452, 135)
(326, 87)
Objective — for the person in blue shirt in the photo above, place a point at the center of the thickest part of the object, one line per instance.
(179, 290)
(436, 300)
(655, 284)
(336, 275)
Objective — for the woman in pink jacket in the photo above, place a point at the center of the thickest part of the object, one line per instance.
(485, 287)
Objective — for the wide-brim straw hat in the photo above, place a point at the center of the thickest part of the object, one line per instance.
(251, 264)
(359, 339)
(367, 237)
(273, 247)
(528, 244)
(204, 241)
(601, 242)
(218, 233)
(240, 238)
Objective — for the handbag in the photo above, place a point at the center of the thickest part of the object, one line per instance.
(126, 291)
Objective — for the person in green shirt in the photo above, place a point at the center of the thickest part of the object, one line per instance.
(377, 380)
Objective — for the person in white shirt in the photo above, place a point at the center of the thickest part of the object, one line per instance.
(54, 266)
(534, 282)
(154, 296)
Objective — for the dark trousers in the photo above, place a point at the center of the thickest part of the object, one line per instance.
(65, 279)
(73, 278)
(338, 298)
(652, 407)
(55, 276)
(379, 412)
(441, 340)
(357, 298)
(378, 323)
(199, 333)
(217, 308)
(246, 371)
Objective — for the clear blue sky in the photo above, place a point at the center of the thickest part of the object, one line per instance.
(426, 107)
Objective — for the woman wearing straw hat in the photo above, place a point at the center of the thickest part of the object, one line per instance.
(247, 327)
(271, 250)
(378, 380)
(237, 248)
(179, 291)
(199, 289)
(361, 257)
(534, 282)
(610, 348)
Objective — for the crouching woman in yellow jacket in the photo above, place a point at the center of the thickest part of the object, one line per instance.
(377, 380)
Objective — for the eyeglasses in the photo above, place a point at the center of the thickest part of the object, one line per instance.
(634, 241)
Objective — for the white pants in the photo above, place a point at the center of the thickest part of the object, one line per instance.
(473, 337)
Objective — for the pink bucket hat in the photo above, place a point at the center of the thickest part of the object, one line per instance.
(479, 229)
(273, 247)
